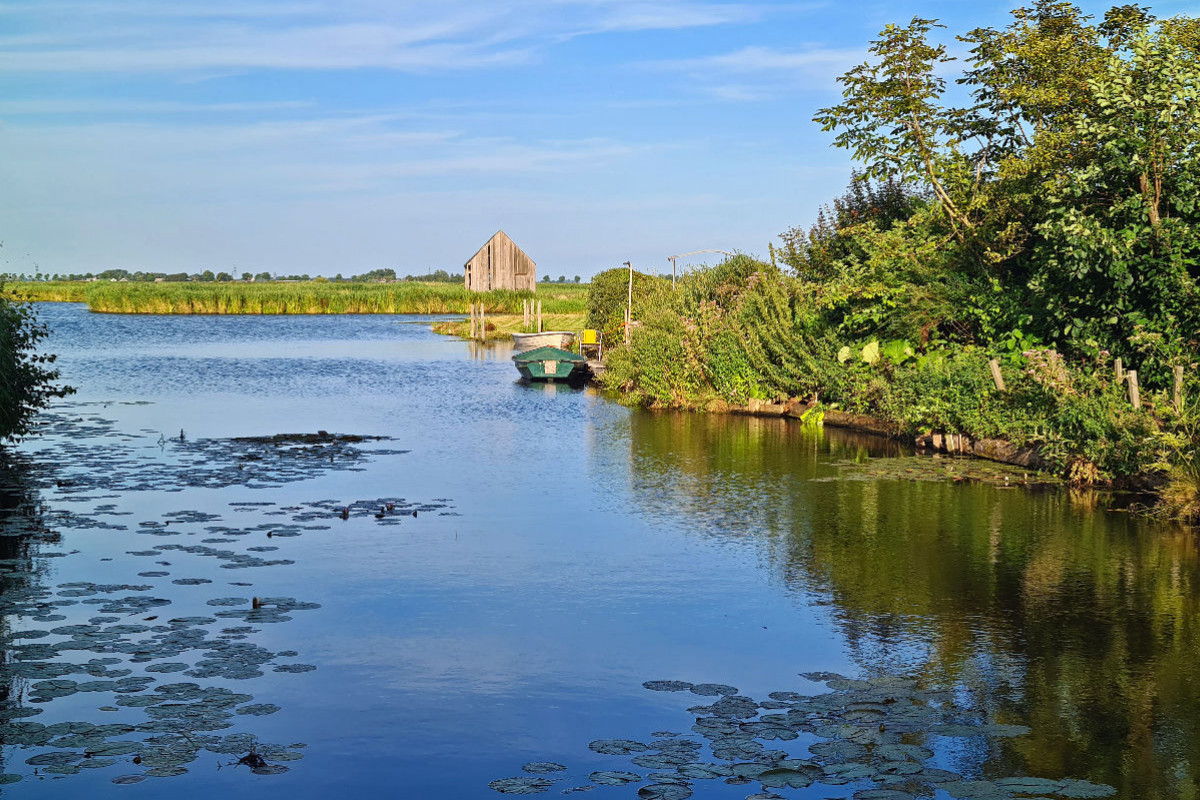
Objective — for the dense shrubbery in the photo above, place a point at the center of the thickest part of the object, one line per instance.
(27, 381)
(1053, 224)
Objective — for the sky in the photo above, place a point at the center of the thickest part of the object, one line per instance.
(302, 136)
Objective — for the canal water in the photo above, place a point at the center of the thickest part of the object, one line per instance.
(529, 576)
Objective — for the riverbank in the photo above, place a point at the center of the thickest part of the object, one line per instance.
(745, 337)
(501, 327)
(301, 297)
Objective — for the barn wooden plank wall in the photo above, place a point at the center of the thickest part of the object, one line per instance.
(500, 264)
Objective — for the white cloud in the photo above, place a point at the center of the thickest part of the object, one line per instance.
(132, 37)
(756, 73)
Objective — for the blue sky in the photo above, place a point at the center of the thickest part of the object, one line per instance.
(323, 137)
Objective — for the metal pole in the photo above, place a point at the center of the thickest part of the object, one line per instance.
(629, 304)
(672, 272)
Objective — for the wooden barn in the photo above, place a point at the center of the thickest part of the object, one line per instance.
(500, 264)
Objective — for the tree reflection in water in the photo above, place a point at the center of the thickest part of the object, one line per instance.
(1047, 608)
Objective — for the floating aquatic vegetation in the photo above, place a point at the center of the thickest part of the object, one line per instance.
(128, 627)
(544, 766)
(521, 785)
(876, 733)
(616, 747)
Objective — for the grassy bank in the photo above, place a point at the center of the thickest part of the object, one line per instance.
(309, 297)
(502, 326)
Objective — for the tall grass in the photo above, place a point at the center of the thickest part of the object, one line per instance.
(311, 297)
(47, 291)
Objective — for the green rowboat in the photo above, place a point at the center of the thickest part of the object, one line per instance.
(550, 364)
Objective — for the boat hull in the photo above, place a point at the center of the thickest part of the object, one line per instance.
(550, 364)
(532, 341)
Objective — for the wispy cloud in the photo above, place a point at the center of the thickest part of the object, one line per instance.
(101, 106)
(121, 36)
(756, 73)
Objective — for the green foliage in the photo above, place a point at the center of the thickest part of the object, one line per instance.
(608, 295)
(726, 334)
(27, 379)
(1070, 187)
(1053, 223)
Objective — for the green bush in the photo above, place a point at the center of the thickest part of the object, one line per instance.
(27, 381)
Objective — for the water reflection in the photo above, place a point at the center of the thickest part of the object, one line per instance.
(1043, 607)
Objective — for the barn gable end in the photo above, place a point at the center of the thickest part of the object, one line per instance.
(500, 264)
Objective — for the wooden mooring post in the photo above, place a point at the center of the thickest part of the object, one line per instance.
(471, 311)
(539, 320)
(482, 325)
(996, 376)
(1135, 397)
(1177, 389)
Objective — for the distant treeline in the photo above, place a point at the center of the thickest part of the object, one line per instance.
(208, 276)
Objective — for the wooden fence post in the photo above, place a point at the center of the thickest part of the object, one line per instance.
(1177, 390)
(539, 316)
(1134, 396)
(996, 376)
(1119, 367)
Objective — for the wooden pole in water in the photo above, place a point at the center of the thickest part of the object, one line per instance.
(539, 316)
(1134, 396)
(472, 313)
(996, 376)
(482, 325)
(1119, 368)
(1177, 390)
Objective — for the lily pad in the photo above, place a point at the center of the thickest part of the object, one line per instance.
(617, 747)
(614, 777)
(665, 791)
(537, 766)
(521, 785)
(667, 686)
(784, 778)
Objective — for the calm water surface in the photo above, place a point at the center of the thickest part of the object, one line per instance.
(566, 550)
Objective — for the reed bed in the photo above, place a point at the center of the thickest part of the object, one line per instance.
(311, 297)
(46, 291)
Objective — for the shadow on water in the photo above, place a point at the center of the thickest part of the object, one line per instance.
(1046, 608)
(21, 531)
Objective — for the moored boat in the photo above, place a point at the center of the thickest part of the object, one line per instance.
(549, 364)
(528, 341)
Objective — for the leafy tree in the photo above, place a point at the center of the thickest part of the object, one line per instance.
(27, 381)
(1069, 185)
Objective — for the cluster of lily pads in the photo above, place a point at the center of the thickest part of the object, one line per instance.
(162, 679)
(103, 457)
(874, 734)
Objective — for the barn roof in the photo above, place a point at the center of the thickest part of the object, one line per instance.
(500, 236)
